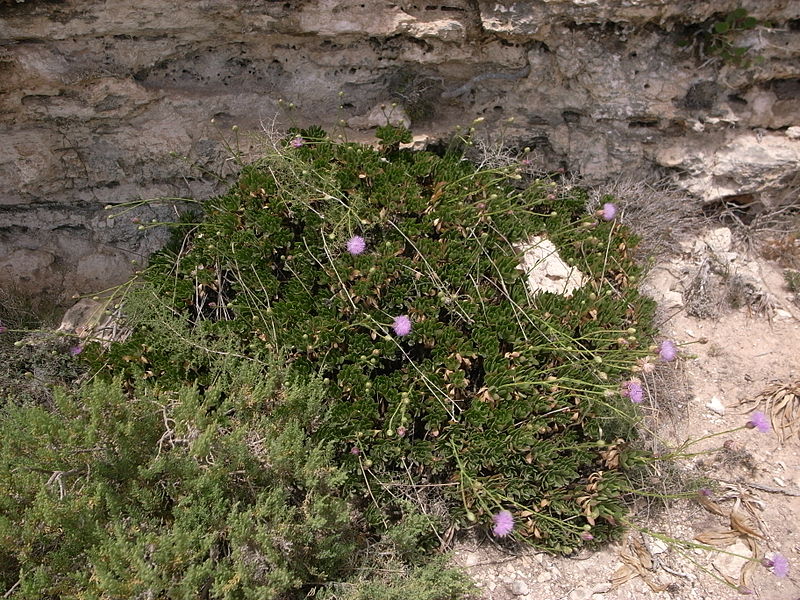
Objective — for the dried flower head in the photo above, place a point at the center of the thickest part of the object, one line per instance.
(758, 420)
(667, 351)
(356, 245)
(402, 325)
(503, 523)
(609, 211)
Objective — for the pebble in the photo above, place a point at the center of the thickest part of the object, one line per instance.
(544, 576)
(520, 588)
(580, 594)
(715, 405)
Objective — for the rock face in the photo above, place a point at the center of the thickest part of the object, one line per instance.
(97, 96)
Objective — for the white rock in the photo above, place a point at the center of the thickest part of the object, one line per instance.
(658, 547)
(580, 594)
(718, 240)
(731, 564)
(544, 576)
(716, 405)
(380, 115)
(520, 588)
(793, 132)
(545, 269)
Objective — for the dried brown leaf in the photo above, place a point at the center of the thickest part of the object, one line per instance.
(711, 506)
(717, 537)
(654, 585)
(621, 575)
(742, 523)
(643, 554)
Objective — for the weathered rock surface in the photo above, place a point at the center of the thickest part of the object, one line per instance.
(97, 96)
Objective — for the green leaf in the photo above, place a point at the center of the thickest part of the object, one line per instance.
(739, 13)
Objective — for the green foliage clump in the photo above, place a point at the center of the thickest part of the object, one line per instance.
(496, 397)
(221, 492)
(267, 431)
(719, 39)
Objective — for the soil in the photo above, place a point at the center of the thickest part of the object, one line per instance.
(738, 330)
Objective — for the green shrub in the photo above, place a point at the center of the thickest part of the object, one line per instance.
(271, 430)
(174, 493)
(496, 397)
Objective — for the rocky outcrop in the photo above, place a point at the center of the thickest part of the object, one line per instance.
(101, 101)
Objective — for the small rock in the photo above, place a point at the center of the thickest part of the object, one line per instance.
(471, 559)
(793, 132)
(381, 114)
(546, 271)
(730, 565)
(716, 405)
(718, 240)
(543, 577)
(520, 588)
(580, 594)
(658, 547)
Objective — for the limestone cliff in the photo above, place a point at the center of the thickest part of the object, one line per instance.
(97, 96)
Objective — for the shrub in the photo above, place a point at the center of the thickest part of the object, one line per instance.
(179, 493)
(331, 364)
(497, 397)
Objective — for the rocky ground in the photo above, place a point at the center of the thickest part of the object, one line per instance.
(738, 326)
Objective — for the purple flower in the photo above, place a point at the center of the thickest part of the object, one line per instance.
(356, 245)
(355, 451)
(586, 536)
(2, 328)
(759, 420)
(75, 350)
(503, 523)
(667, 351)
(633, 390)
(402, 325)
(401, 431)
(297, 142)
(778, 563)
(609, 211)
(705, 492)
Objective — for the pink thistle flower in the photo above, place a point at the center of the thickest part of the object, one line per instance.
(758, 420)
(633, 390)
(667, 351)
(3, 328)
(609, 211)
(75, 350)
(705, 492)
(778, 563)
(586, 536)
(297, 142)
(402, 325)
(503, 523)
(355, 451)
(356, 245)
(401, 431)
